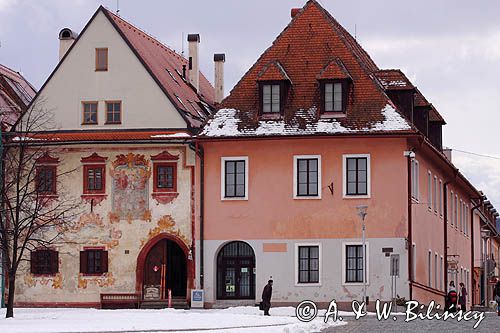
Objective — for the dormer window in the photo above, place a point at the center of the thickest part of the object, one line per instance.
(334, 96)
(271, 101)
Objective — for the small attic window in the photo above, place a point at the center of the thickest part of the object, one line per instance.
(334, 96)
(101, 59)
(272, 97)
(66, 34)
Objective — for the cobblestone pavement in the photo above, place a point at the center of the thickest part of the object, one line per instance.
(491, 323)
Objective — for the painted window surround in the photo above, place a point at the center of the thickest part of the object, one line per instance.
(344, 264)
(223, 177)
(296, 265)
(295, 170)
(344, 177)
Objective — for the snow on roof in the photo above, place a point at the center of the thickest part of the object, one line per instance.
(226, 124)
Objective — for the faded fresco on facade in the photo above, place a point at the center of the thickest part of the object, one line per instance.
(129, 192)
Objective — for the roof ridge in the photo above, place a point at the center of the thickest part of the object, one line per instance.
(146, 34)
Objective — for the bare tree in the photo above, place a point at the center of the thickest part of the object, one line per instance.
(30, 216)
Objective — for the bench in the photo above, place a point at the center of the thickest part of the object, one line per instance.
(115, 301)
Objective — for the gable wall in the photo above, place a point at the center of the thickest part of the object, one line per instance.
(144, 105)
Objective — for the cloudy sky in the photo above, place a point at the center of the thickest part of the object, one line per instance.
(450, 49)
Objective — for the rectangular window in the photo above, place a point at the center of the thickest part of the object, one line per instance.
(440, 197)
(94, 179)
(101, 59)
(466, 220)
(357, 175)
(429, 190)
(44, 262)
(333, 97)
(441, 277)
(435, 270)
(271, 98)
(434, 197)
(455, 213)
(93, 261)
(89, 113)
(165, 176)
(415, 179)
(114, 112)
(413, 261)
(45, 179)
(234, 178)
(308, 264)
(307, 177)
(354, 263)
(451, 208)
(429, 268)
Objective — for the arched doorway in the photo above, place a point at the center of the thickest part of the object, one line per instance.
(236, 271)
(162, 266)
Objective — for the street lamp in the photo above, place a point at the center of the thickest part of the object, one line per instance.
(362, 214)
(485, 235)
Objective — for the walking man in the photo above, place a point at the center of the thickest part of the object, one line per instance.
(462, 298)
(266, 297)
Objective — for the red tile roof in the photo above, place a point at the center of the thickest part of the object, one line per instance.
(112, 136)
(165, 65)
(393, 79)
(273, 71)
(421, 101)
(334, 70)
(304, 49)
(15, 94)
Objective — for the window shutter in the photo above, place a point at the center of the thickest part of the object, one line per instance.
(104, 255)
(32, 262)
(83, 262)
(54, 262)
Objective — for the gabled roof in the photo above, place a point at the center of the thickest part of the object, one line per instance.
(165, 67)
(421, 101)
(15, 94)
(393, 79)
(306, 48)
(334, 70)
(274, 71)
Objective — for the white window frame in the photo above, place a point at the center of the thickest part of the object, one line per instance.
(434, 196)
(223, 177)
(295, 170)
(414, 261)
(450, 216)
(429, 190)
(456, 211)
(429, 267)
(467, 220)
(440, 198)
(415, 180)
(436, 257)
(344, 263)
(296, 258)
(441, 277)
(344, 176)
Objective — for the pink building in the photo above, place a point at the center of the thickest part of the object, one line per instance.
(313, 130)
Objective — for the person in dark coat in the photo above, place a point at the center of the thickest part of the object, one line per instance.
(266, 297)
(462, 298)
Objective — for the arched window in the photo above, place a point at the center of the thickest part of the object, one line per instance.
(235, 271)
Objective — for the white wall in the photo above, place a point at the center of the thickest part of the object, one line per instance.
(144, 105)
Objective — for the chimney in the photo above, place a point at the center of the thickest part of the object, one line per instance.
(294, 12)
(194, 61)
(219, 59)
(447, 153)
(66, 39)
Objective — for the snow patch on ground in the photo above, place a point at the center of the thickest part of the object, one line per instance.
(226, 124)
(237, 319)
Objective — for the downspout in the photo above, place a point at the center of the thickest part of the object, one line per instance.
(472, 248)
(410, 242)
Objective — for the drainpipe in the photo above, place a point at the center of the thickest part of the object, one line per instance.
(410, 242)
(472, 247)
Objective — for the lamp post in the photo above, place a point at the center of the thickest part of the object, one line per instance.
(362, 214)
(485, 235)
